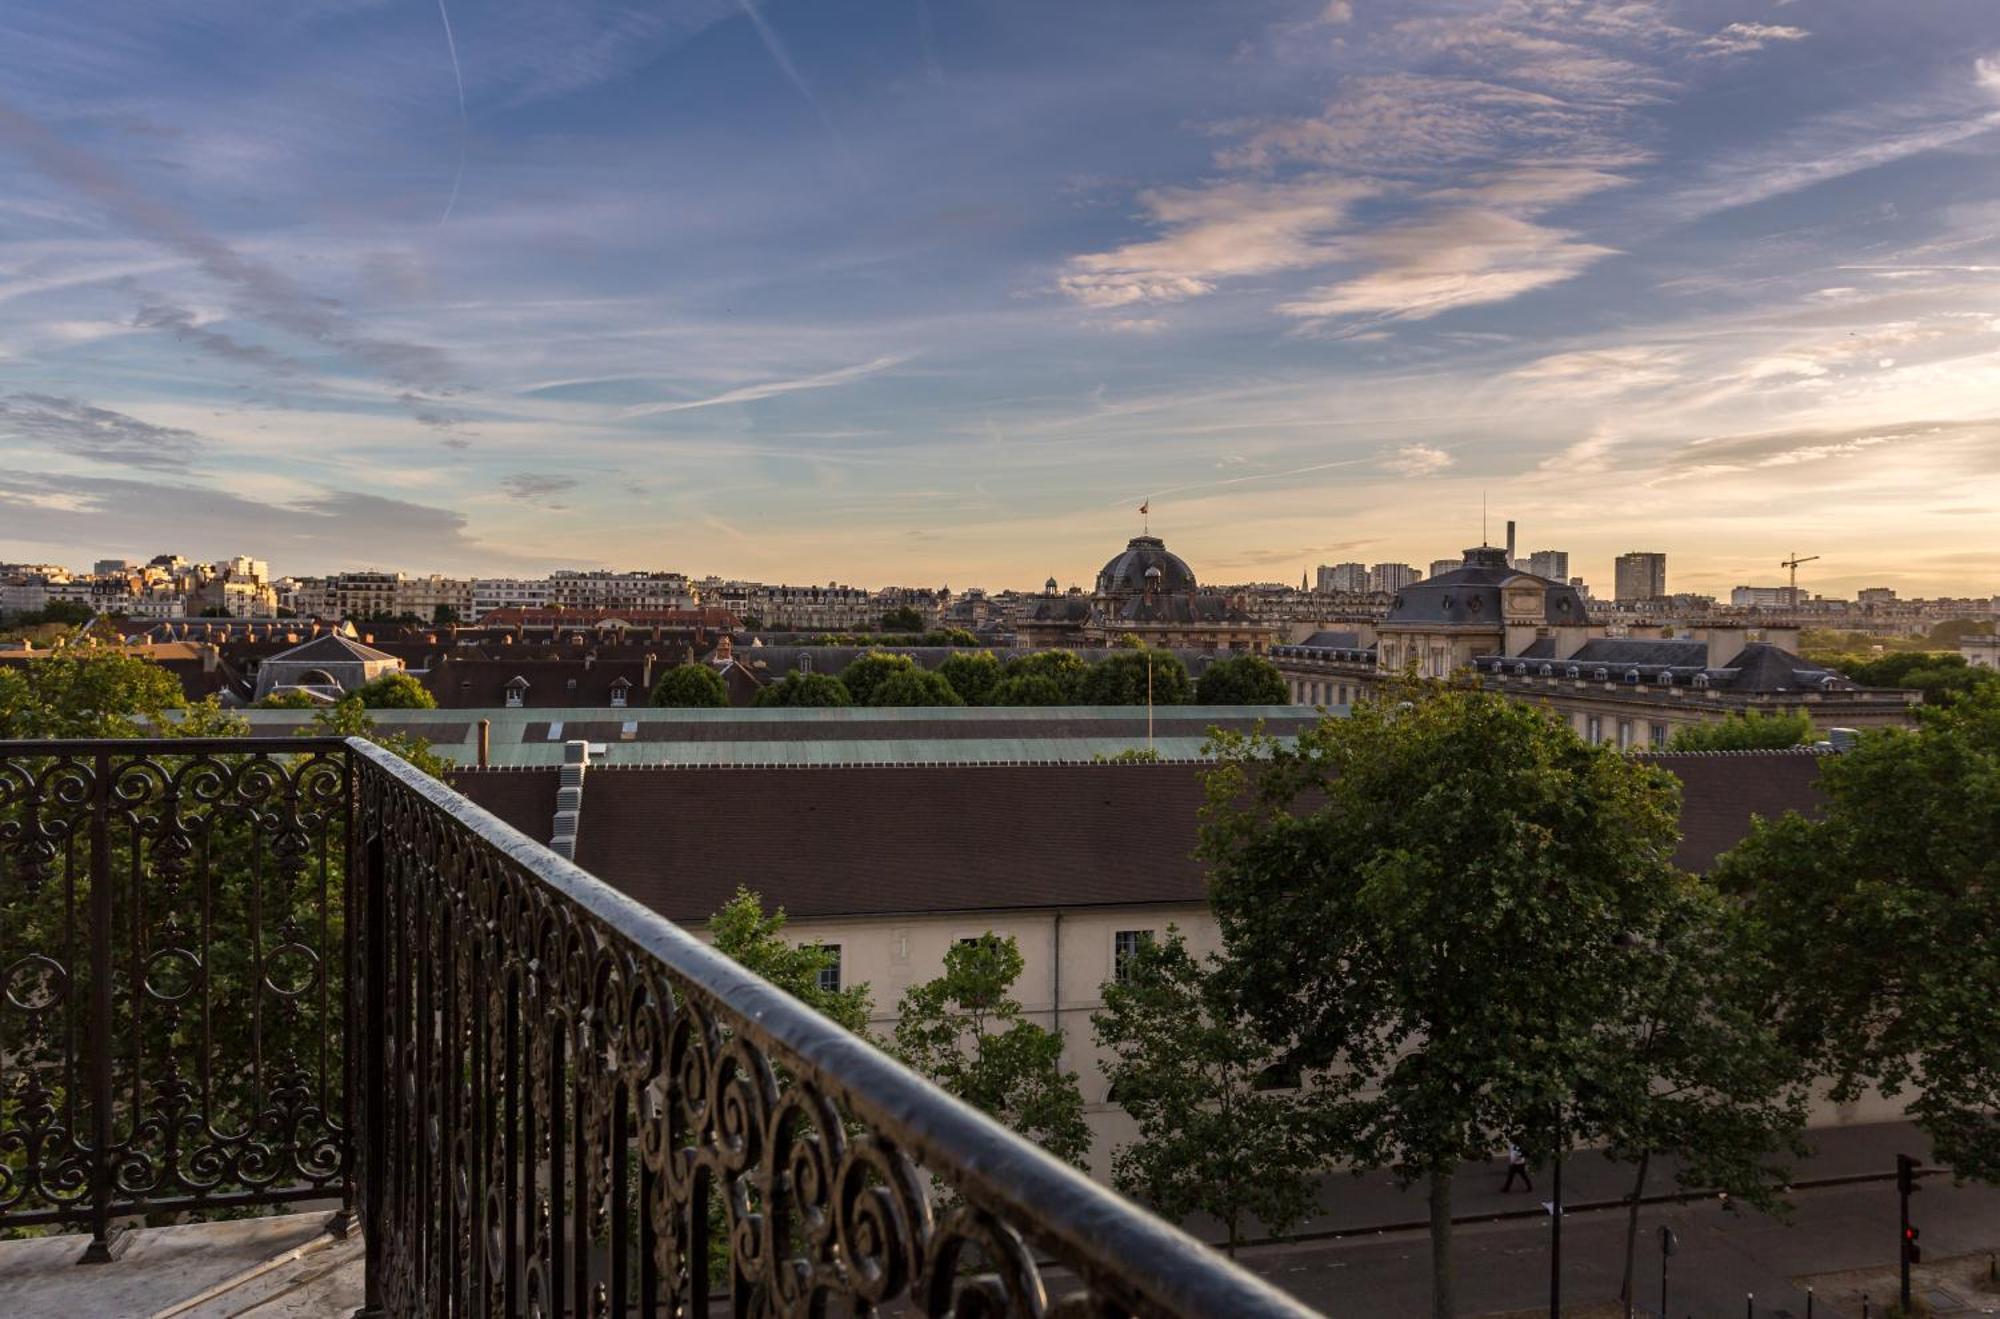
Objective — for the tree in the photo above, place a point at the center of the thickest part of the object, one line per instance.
(1751, 730)
(1938, 675)
(87, 691)
(1698, 1070)
(695, 686)
(912, 687)
(1122, 679)
(1429, 899)
(350, 718)
(1243, 680)
(973, 676)
(215, 611)
(1884, 914)
(804, 689)
(743, 931)
(1024, 689)
(865, 672)
(1215, 1135)
(444, 615)
(294, 699)
(902, 619)
(966, 1034)
(1954, 630)
(394, 691)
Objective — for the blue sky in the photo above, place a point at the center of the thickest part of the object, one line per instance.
(937, 291)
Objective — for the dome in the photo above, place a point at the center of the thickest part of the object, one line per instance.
(1145, 565)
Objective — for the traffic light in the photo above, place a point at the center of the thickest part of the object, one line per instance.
(1912, 1252)
(1906, 1175)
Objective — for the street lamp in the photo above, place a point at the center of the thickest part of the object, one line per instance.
(1669, 1243)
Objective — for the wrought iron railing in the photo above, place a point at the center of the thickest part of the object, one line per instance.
(559, 1102)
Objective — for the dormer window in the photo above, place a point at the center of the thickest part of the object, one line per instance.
(1600, 675)
(1521, 669)
(517, 691)
(1572, 672)
(1700, 680)
(1666, 678)
(1548, 671)
(618, 698)
(1631, 677)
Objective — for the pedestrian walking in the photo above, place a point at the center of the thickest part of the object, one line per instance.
(1517, 1166)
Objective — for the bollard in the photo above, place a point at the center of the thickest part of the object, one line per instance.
(1809, 1303)
(1864, 1305)
(1749, 1305)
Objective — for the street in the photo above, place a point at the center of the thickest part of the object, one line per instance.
(1724, 1255)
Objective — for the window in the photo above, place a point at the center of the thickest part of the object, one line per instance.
(1594, 730)
(1624, 734)
(1666, 678)
(829, 975)
(617, 698)
(1700, 680)
(1125, 945)
(1659, 736)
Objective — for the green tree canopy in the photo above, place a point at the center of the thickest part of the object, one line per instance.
(1023, 689)
(865, 672)
(1751, 730)
(1215, 1136)
(292, 699)
(914, 686)
(1121, 679)
(973, 675)
(394, 691)
(87, 691)
(1939, 675)
(967, 1033)
(693, 686)
(803, 689)
(1430, 898)
(1242, 680)
(902, 619)
(745, 932)
(350, 718)
(1698, 1070)
(1884, 914)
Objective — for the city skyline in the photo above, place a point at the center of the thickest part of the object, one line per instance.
(788, 293)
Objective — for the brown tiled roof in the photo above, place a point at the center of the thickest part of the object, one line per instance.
(824, 841)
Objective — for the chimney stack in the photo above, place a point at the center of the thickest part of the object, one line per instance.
(1510, 542)
(485, 742)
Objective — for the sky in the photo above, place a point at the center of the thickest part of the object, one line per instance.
(937, 292)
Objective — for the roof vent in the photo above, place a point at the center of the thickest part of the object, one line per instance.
(1843, 739)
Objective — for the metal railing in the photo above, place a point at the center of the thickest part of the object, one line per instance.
(558, 1102)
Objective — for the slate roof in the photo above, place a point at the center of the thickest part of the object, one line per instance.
(1333, 641)
(330, 650)
(477, 682)
(1471, 594)
(1127, 570)
(854, 841)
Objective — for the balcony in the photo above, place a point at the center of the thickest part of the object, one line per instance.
(239, 977)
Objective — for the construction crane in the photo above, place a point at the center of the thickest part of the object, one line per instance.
(1793, 563)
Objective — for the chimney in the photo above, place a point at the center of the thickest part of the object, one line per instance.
(1510, 542)
(485, 742)
(367, 638)
(723, 649)
(646, 674)
(1570, 638)
(1724, 644)
(211, 659)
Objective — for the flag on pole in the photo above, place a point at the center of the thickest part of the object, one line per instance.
(1146, 507)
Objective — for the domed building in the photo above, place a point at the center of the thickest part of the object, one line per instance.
(1149, 592)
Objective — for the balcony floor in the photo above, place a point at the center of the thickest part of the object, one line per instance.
(259, 1268)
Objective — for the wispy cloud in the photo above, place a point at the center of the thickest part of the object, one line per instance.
(537, 487)
(1417, 460)
(82, 430)
(846, 375)
(260, 289)
(1742, 38)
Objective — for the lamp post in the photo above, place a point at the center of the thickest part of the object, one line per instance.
(1669, 1243)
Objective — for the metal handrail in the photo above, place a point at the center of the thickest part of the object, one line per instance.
(1128, 1256)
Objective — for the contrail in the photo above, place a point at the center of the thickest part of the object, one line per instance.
(458, 78)
(783, 59)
